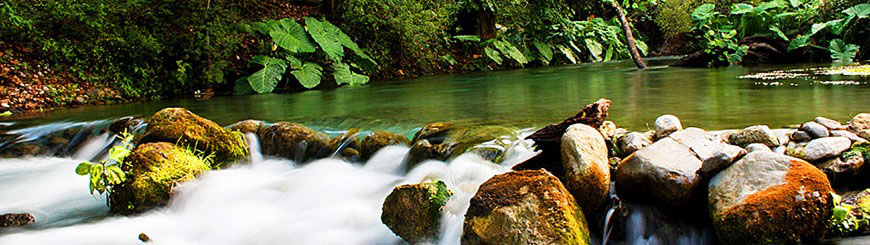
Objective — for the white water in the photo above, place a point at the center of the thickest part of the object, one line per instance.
(265, 202)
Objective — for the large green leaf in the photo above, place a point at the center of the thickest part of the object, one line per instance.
(778, 32)
(290, 36)
(816, 28)
(799, 42)
(860, 10)
(345, 41)
(243, 86)
(795, 3)
(309, 75)
(703, 12)
(492, 54)
(842, 52)
(83, 168)
(511, 51)
(741, 8)
(343, 75)
(467, 38)
(568, 53)
(769, 5)
(265, 80)
(594, 48)
(326, 37)
(545, 50)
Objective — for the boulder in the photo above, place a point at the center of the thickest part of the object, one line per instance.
(667, 124)
(860, 122)
(815, 130)
(413, 211)
(754, 134)
(128, 124)
(830, 123)
(800, 136)
(16, 220)
(757, 147)
(607, 129)
(423, 150)
(714, 155)
(248, 126)
(376, 140)
(666, 171)
(841, 169)
(294, 141)
(346, 145)
(632, 142)
(180, 126)
(435, 133)
(770, 198)
(822, 148)
(851, 136)
(587, 172)
(524, 207)
(153, 169)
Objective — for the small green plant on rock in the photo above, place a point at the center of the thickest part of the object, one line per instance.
(106, 173)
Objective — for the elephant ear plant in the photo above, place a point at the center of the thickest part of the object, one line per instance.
(106, 173)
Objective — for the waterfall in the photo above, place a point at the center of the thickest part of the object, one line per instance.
(94, 147)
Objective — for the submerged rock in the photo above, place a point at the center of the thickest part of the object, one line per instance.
(524, 207)
(16, 220)
(826, 148)
(376, 140)
(815, 130)
(346, 145)
(413, 211)
(666, 125)
(587, 173)
(153, 169)
(754, 134)
(632, 142)
(248, 126)
(787, 201)
(180, 126)
(294, 141)
(435, 133)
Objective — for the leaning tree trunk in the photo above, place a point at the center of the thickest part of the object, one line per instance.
(632, 48)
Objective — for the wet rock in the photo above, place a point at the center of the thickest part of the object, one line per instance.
(128, 124)
(860, 122)
(787, 201)
(757, 147)
(435, 133)
(248, 126)
(413, 211)
(180, 126)
(461, 140)
(423, 150)
(524, 207)
(294, 141)
(851, 136)
(632, 142)
(490, 153)
(376, 140)
(841, 169)
(607, 129)
(144, 238)
(667, 124)
(783, 134)
(16, 220)
(864, 134)
(587, 174)
(815, 130)
(153, 169)
(754, 134)
(826, 147)
(714, 155)
(779, 149)
(345, 145)
(666, 171)
(800, 136)
(24, 150)
(794, 149)
(830, 123)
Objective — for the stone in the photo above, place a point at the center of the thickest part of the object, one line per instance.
(770, 198)
(587, 172)
(830, 123)
(864, 134)
(153, 169)
(423, 150)
(851, 136)
(376, 140)
(666, 171)
(295, 142)
(16, 220)
(783, 135)
(800, 136)
(860, 122)
(815, 130)
(754, 134)
(667, 124)
(413, 211)
(128, 124)
(180, 126)
(757, 147)
(826, 147)
(248, 126)
(632, 142)
(345, 145)
(524, 207)
(714, 155)
(435, 133)
(795, 149)
(608, 129)
(841, 169)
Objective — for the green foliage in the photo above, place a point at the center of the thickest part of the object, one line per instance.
(265, 80)
(106, 173)
(601, 40)
(842, 52)
(846, 219)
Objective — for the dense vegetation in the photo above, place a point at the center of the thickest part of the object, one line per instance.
(152, 48)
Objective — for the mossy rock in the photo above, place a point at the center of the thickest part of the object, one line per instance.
(413, 211)
(524, 207)
(180, 126)
(423, 150)
(349, 141)
(380, 139)
(447, 140)
(153, 169)
(248, 126)
(294, 141)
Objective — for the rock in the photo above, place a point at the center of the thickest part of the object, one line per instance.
(840, 169)
(666, 171)
(524, 207)
(423, 150)
(587, 173)
(632, 142)
(830, 123)
(794, 149)
(851, 136)
(779, 149)
(435, 133)
(860, 122)
(376, 140)
(667, 124)
(754, 134)
(128, 124)
(144, 238)
(180, 126)
(345, 145)
(295, 142)
(757, 147)
(851, 214)
(864, 134)
(16, 220)
(248, 126)
(153, 169)
(815, 130)
(607, 129)
(463, 139)
(770, 198)
(714, 155)
(783, 134)
(800, 136)
(826, 147)
(413, 211)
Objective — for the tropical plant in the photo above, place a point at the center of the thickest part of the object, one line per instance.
(601, 40)
(293, 48)
(106, 173)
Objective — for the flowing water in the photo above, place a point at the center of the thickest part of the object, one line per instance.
(272, 200)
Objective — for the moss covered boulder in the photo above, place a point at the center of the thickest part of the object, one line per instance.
(179, 125)
(376, 140)
(770, 198)
(524, 207)
(153, 169)
(413, 211)
(587, 170)
(248, 126)
(294, 141)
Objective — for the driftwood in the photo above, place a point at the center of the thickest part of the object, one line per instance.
(549, 139)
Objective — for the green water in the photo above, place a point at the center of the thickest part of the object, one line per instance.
(708, 98)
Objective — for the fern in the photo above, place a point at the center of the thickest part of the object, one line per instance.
(309, 75)
(265, 80)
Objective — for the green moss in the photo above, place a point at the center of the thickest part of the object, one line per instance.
(439, 195)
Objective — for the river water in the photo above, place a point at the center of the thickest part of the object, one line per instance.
(277, 201)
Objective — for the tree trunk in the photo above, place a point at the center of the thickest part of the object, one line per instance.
(632, 48)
